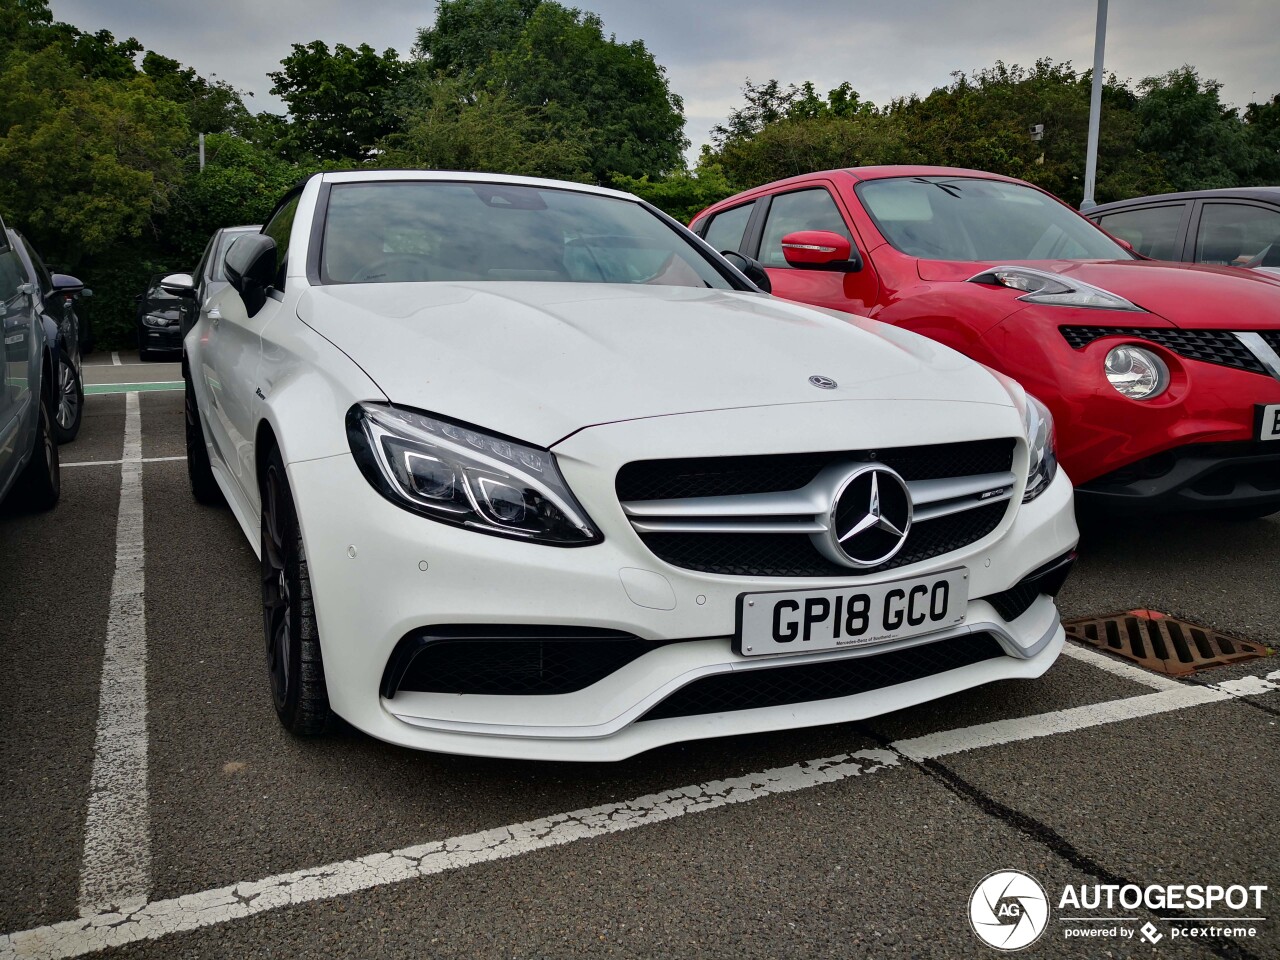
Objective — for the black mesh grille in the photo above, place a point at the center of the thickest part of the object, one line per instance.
(793, 555)
(1211, 346)
(514, 666)
(779, 686)
(1272, 337)
(728, 476)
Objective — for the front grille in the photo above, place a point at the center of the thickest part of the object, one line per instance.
(509, 661)
(733, 476)
(1210, 346)
(793, 555)
(1272, 338)
(779, 686)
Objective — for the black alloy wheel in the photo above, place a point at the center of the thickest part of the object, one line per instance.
(294, 664)
(70, 401)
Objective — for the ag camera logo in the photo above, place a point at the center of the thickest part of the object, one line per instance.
(1008, 910)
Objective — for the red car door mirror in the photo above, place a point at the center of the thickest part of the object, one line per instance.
(820, 250)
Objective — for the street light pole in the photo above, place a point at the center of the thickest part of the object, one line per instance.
(1095, 110)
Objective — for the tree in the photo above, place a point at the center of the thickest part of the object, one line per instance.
(338, 101)
(610, 97)
(210, 107)
(682, 194)
(1202, 143)
(1263, 132)
(451, 128)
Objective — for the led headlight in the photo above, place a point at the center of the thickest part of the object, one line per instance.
(1054, 289)
(462, 476)
(1037, 422)
(1137, 373)
(157, 320)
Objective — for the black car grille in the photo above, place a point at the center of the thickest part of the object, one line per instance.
(509, 661)
(793, 555)
(768, 554)
(827, 680)
(1210, 346)
(1272, 338)
(728, 476)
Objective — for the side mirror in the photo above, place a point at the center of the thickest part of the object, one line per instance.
(251, 268)
(66, 285)
(820, 250)
(179, 284)
(749, 268)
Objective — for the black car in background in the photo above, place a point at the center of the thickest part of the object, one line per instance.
(28, 372)
(53, 296)
(159, 321)
(1237, 227)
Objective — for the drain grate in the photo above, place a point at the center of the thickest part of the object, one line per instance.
(1162, 643)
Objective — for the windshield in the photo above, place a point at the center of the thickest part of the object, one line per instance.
(965, 218)
(423, 231)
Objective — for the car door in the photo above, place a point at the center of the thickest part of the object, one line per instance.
(814, 207)
(20, 371)
(232, 358)
(1236, 232)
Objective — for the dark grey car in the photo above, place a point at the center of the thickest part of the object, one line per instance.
(1237, 227)
(28, 447)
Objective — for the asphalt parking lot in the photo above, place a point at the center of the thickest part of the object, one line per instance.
(235, 840)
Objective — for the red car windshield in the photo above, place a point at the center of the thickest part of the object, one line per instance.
(967, 218)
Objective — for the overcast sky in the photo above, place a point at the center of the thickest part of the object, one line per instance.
(885, 48)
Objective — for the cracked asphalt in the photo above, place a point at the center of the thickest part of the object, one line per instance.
(871, 855)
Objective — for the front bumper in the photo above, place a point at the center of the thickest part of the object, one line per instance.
(380, 574)
(1199, 477)
(167, 339)
(1125, 450)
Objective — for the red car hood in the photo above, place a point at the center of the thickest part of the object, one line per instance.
(1191, 296)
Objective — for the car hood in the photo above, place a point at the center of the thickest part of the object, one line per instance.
(538, 361)
(1191, 296)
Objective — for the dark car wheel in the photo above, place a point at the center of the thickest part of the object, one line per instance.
(203, 486)
(70, 400)
(41, 481)
(294, 665)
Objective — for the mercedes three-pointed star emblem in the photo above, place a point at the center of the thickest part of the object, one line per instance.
(870, 516)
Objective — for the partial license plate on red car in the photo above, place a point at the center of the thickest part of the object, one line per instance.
(1269, 421)
(809, 621)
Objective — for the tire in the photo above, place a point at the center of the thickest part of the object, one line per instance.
(203, 486)
(40, 483)
(146, 356)
(295, 669)
(70, 401)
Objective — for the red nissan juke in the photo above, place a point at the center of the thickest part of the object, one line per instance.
(1163, 378)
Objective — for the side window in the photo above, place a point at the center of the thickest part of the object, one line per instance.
(1235, 233)
(802, 210)
(1151, 230)
(279, 229)
(726, 229)
(11, 275)
(202, 268)
(42, 278)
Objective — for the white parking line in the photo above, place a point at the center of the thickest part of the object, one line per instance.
(193, 911)
(115, 358)
(1119, 667)
(116, 463)
(115, 873)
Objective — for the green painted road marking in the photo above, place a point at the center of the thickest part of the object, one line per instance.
(133, 387)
